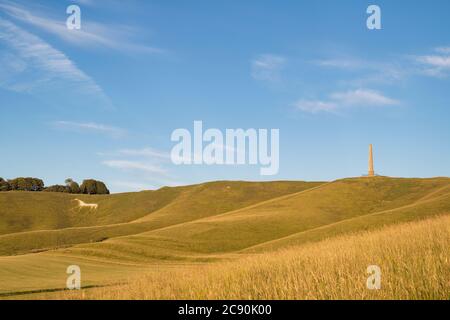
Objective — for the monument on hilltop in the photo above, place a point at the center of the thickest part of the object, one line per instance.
(371, 170)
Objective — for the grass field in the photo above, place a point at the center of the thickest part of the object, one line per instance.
(330, 269)
(121, 214)
(224, 228)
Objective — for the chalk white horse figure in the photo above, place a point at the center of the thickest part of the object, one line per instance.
(82, 204)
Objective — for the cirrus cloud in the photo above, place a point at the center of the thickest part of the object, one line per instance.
(34, 66)
(351, 98)
(267, 67)
(437, 64)
(134, 165)
(91, 34)
(91, 127)
(362, 97)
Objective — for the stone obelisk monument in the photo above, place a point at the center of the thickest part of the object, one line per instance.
(371, 171)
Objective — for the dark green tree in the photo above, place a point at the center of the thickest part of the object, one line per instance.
(88, 187)
(73, 186)
(4, 185)
(13, 185)
(26, 184)
(101, 188)
(92, 186)
(57, 188)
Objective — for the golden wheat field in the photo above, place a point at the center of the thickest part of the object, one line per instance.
(414, 259)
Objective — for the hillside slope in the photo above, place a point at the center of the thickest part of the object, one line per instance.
(220, 221)
(342, 206)
(29, 211)
(40, 221)
(413, 258)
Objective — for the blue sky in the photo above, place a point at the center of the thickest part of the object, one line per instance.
(102, 102)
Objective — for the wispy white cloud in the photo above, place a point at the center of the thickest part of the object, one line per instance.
(365, 72)
(436, 61)
(151, 154)
(134, 165)
(90, 35)
(36, 64)
(147, 165)
(445, 50)
(436, 64)
(267, 67)
(90, 127)
(353, 98)
(362, 97)
(341, 63)
(145, 152)
(315, 106)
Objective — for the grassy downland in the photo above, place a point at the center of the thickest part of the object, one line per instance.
(211, 223)
(123, 214)
(30, 211)
(414, 259)
(343, 206)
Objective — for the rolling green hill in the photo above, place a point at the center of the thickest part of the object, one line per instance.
(349, 200)
(31, 222)
(193, 225)
(30, 211)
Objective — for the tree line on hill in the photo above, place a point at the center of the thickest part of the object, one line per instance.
(89, 186)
